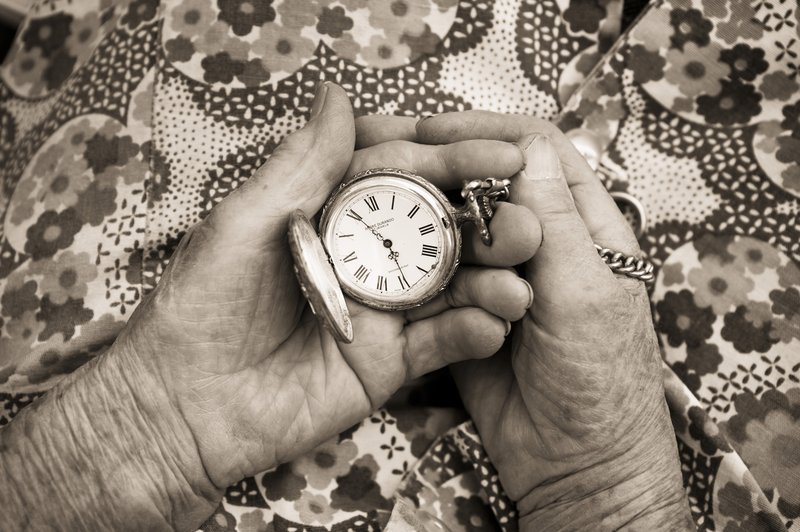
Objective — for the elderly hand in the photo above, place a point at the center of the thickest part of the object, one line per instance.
(224, 372)
(572, 413)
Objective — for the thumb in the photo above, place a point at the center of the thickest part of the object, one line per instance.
(567, 256)
(299, 174)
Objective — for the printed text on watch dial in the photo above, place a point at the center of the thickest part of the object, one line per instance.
(387, 241)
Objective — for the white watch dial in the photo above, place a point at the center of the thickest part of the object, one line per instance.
(387, 244)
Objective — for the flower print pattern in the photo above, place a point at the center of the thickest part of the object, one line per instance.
(746, 333)
(472, 513)
(244, 15)
(766, 432)
(63, 306)
(745, 62)
(299, 14)
(65, 277)
(719, 286)
(314, 509)
(358, 490)
(21, 333)
(742, 24)
(48, 34)
(83, 32)
(334, 22)
(736, 103)
(690, 26)
(584, 15)
(778, 86)
(62, 187)
(55, 44)
(51, 232)
(220, 521)
(712, 77)
(683, 321)
(399, 16)
(789, 275)
(791, 118)
(328, 461)
(646, 65)
(191, 18)
(703, 359)
(139, 12)
(282, 49)
(283, 483)
(696, 70)
(19, 295)
(386, 52)
(754, 255)
(244, 43)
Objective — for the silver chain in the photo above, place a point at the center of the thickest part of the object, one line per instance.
(640, 269)
(487, 192)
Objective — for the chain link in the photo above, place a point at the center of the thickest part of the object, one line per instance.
(636, 268)
(487, 192)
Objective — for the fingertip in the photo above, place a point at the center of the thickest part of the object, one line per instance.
(336, 114)
(482, 333)
(519, 300)
(508, 296)
(493, 157)
(516, 233)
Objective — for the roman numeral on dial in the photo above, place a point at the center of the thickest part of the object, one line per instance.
(362, 274)
(354, 215)
(429, 251)
(413, 211)
(382, 283)
(372, 203)
(426, 229)
(403, 283)
(350, 257)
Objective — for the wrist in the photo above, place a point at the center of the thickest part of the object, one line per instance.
(640, 488)
(646, 501)
(107, 451)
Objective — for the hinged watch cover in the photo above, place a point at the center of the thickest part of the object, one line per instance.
(317, 279)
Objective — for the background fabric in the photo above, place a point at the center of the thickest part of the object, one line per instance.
(122, 123)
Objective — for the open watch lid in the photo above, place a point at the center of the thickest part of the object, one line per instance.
(317, 279)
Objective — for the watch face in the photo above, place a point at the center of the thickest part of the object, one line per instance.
(391, 240)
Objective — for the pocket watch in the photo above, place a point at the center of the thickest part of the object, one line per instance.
(387, 238)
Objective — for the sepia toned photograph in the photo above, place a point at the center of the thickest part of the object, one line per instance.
(400, 265)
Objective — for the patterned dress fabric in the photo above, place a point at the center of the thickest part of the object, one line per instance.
(123, 122)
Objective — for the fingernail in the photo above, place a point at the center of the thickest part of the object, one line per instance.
(424, 118)
(530, 293)
(508, 328)
(541, 159)
(319, 99)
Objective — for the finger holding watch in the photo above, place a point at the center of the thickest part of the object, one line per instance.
(485, 278)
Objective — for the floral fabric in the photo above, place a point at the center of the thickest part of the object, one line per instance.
(123, 122)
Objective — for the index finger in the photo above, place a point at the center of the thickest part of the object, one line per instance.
(604, 221)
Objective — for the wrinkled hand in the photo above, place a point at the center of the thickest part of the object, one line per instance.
(255, 378)
(572, 412)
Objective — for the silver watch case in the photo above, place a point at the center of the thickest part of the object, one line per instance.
(316, 271)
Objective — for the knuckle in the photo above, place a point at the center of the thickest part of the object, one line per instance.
(560, 218)
(459, 291)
